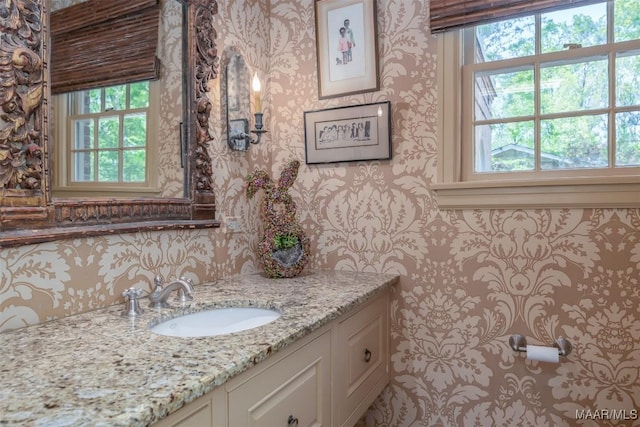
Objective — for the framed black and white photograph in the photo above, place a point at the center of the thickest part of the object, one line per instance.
(347, 134)
(346, 42)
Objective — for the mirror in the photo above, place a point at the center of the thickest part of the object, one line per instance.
(28, 212)
(238, 102)
(89, 107)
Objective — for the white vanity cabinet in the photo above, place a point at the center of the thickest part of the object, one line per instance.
(328, 378)
(293, 391)
(361, 360)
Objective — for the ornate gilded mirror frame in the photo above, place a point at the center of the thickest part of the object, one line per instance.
(28, 212)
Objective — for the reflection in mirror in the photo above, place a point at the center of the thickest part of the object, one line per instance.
(120, 139)
(28, 213)
(238, 103)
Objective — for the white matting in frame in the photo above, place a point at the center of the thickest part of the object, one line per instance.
(347, 134)
(346, 42)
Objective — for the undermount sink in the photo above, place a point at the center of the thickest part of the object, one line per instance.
(219, 321)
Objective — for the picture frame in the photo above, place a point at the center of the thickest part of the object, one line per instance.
(347, 60)
(348, 134)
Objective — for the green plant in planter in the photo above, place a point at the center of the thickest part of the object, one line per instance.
(285, 241)
(283, 247)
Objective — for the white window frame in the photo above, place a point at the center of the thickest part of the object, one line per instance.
(63, 186)
(556, 190)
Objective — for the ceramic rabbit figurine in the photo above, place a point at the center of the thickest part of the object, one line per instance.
(283, 247)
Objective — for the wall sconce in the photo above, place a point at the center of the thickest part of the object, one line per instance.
(240, 90)
(255, 84)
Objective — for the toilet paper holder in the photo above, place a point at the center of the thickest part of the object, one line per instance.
(519, 343)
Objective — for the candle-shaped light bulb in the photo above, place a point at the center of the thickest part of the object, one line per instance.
(379, 111)
(256, 93)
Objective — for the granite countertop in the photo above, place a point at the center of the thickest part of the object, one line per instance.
(101, 369)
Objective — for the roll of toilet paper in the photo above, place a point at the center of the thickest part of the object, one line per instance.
(542, 353)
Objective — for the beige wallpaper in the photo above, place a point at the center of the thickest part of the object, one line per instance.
(469, 278)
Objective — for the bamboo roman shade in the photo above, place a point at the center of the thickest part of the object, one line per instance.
(447, 14)
(102, 43)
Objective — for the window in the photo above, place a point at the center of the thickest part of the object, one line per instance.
(548, 110)
(107, 137)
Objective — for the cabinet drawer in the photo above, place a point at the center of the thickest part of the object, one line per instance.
(195, 414)
(296, 387)
(361, 361)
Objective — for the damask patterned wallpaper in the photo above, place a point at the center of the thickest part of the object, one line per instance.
(469, 278)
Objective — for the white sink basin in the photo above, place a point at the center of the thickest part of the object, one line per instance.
(219, 321)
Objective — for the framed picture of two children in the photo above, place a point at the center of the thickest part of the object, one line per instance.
(347, 47)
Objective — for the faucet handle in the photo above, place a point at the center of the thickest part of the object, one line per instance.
(157, 281)
(182, 295)
(132, 305)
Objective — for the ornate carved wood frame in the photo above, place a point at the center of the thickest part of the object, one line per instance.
(28, 213)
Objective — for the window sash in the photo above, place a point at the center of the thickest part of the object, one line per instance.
(64, 184)
(96, 149)
(536, 62)
(452, 192)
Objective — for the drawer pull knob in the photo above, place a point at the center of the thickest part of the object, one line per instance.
(292, 421)
(367, 355)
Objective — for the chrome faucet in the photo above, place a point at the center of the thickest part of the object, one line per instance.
(160, 294)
